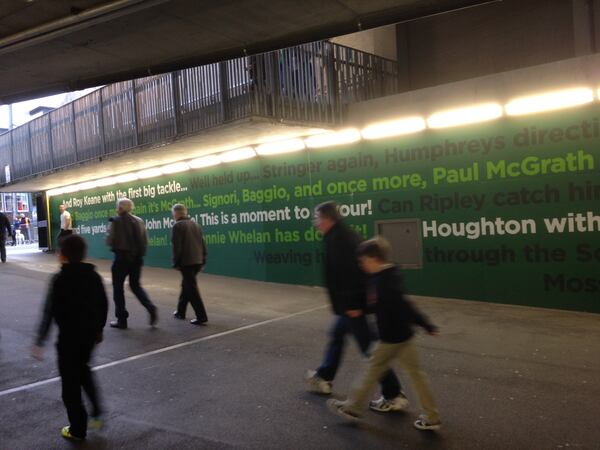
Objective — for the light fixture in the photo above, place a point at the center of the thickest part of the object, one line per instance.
(70, 189)
(106, 181)
(87, 185)
(331, 138)
(55, 192)
(175, 167)
(393, 128)
(205, 161)
(549, 101)
(465, 116)
(273, 148)
(125, 178)
(149, 173)
(237, 154)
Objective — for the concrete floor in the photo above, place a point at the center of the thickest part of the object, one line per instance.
(505, 377)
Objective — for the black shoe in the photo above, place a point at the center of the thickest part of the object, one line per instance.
(198, 321)
(122, 324)
(153, 317)
(178, 316)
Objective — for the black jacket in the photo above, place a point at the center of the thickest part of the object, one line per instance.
(76, 300)
(127, 236)
(4, 225)
(395, 314)
(189, 248)
(344, 280)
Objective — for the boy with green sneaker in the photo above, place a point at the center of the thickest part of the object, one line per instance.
(395, 317)
(76, 300)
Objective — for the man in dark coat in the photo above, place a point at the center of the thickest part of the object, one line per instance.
(189, 257)
(128, 240)
(5, 229)
(346, 285)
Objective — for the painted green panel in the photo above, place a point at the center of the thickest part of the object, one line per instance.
(522, 171)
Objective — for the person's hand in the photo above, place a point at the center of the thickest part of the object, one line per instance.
(37, 352)
(354, 313)
(99, 337)
(202, 267)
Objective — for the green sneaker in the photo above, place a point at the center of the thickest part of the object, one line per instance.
(66, 433)
(95, 423)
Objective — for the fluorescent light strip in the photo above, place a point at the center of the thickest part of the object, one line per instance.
(206, 161)
(125, 178)
(287, 146)
(391, 128)
(332, 138)
(549, 101)
(175, 167)
(237, 154)
(106, 181)
(465, 116)
(149, 173)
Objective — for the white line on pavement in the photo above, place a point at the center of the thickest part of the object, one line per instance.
(27, 387)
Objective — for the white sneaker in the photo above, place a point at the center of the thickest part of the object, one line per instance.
(423, 423)
(316, 383)
(341, 408)
(383, 404)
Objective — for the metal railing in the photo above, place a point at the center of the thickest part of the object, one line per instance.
(311, 83)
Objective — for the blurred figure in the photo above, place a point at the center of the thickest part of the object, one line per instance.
(76, 300)
(395, 318)
(4, 230)
(66, 224)
(25, 224)
(189, 257)
(346, 285)
(16, 226)
(128, 240)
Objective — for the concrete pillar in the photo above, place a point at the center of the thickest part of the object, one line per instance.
(378, 41)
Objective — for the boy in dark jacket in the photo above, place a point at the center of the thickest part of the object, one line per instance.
(76, 300)
(395, 317)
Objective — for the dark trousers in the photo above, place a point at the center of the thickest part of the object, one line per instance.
(190, 293)
(359, 328)
(2, 250)
(122, 268)
(62, 234)
(75, 374)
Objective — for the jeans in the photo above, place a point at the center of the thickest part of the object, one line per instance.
(359, 328)
(190, 293)
(122, 268)
(75, 374)
(2, 250)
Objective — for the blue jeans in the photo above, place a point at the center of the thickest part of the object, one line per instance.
(359, 328)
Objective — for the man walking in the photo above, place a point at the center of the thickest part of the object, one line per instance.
(4, 225)
(66, 224)
(128, 240)
(189, 257)
(346, 285)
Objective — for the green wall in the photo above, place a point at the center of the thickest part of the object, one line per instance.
(527, 171)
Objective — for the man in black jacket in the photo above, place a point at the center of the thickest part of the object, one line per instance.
(4, 225)
(189, 257)
(128, 240)
(76, 300)
(345, 283)
(395, 318)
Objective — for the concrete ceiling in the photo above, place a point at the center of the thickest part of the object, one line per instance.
(55, 46)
